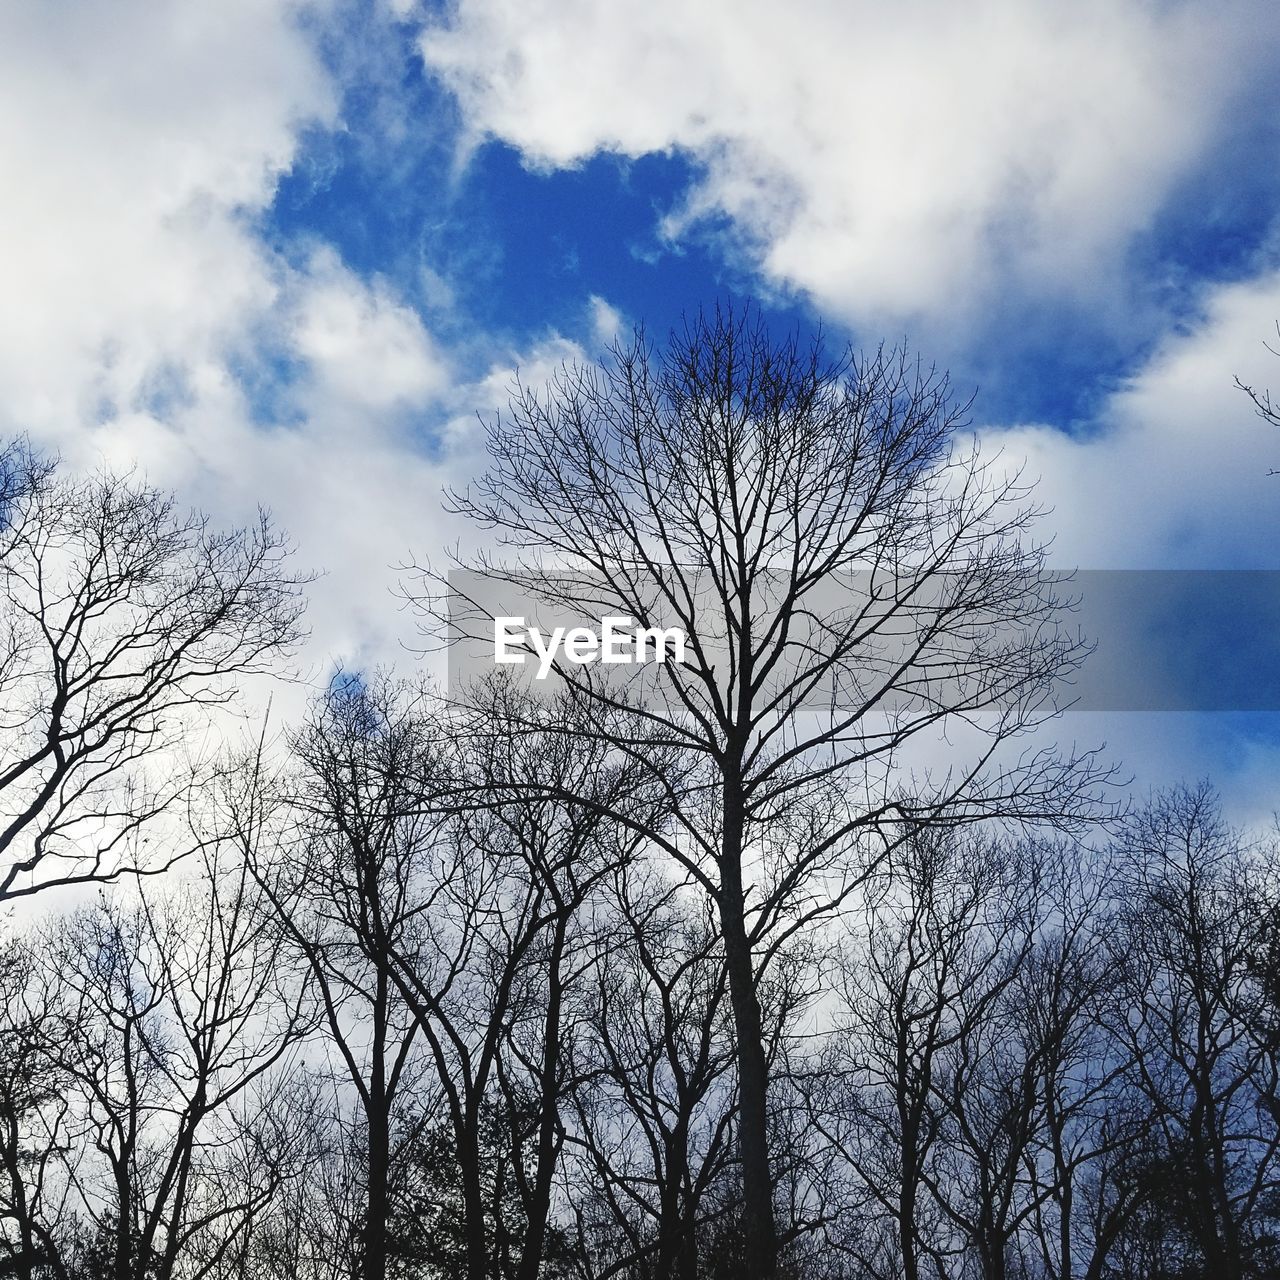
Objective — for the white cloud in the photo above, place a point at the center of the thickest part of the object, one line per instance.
(139, 145)
(890, 160)
(1174, 472)
(364, 346)
(1174, 475)
(137, 142)
(606, 321)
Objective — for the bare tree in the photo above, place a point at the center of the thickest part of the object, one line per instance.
(503, 936)
(849, 579)
(120, 616)
(1086, 1121)
(929, 942)
(167, 1024)
(338, 847)
(653, 1109)
(34, 1112)
(314, 1226)
(1192, 1010)
(991, 1078)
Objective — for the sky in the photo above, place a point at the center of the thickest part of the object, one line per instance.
(289, 253)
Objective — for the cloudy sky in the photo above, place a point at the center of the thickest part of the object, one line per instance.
(284, 252)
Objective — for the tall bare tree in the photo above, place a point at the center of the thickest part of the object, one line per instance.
(492, 968)
(166, 1025)
(121, 616)
(653, 1110)
(850, 578)
(338, 846)
(1192, 1007)
(35, 1119)
(927, 945)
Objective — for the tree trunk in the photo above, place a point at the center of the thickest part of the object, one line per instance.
(673, 1259)
(535, 1236)
(378, 1120)
(123, 1242)
(907, 1228)
(473, 1197)
(760, 1236)
(1210, 1202)
(375, 1235)
(1065, 1202)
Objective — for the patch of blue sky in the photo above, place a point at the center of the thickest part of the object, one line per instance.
(1041, 360)
(1218, 224)
(501, 250)
(492, 253)
(496, 256)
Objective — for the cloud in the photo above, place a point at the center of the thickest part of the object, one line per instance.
(137, 144)
(890, 161)
(918, 162)
(607, 322)
(154, 327)
(364, 346)
(1174, 471)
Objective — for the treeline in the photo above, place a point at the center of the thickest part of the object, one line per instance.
(805, 957)
(375, 1032)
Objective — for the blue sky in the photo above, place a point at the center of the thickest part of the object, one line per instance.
(284, 251)
(518, 245)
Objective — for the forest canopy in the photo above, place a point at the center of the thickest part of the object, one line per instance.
(720, 982)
